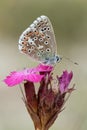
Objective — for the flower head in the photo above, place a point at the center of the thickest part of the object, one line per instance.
(45, 105)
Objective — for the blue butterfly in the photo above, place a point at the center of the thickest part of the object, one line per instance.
(38, 42)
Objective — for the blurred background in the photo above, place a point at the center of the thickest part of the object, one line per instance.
(69, 20)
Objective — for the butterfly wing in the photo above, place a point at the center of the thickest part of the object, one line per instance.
(38, 40)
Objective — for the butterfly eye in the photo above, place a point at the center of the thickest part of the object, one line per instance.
(45, 42)
(48, 50)
(58, 58)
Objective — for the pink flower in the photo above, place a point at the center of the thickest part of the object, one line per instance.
(32, 75)
(49, 98)
(15, 77)
(64, 81)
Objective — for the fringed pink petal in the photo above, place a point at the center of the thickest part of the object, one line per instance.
(17, 77)
(64, 81)
(14, 78)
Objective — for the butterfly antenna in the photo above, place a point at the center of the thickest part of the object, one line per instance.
(69, 60)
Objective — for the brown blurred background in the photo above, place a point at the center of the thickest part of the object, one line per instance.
(69, 19)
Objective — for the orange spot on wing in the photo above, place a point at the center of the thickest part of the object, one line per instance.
(24, 43)
(36, 33)
(24, 50)
(42, 35)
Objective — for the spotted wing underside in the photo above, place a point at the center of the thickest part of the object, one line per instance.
(38, 40)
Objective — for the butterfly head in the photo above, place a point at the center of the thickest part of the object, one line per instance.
(52, 60)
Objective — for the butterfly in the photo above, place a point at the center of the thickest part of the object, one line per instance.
(38, 42)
